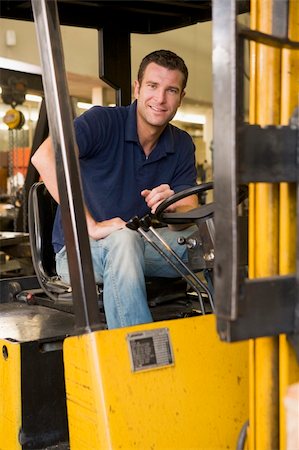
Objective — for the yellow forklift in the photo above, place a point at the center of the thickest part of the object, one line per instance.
(212, 381)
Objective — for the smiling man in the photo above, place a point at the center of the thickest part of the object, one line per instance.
(131, 159)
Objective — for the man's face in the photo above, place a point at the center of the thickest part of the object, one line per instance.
(159, 95)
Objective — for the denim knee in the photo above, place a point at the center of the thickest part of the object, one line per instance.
(124, 239)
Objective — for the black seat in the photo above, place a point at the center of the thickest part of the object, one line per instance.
(41, 214)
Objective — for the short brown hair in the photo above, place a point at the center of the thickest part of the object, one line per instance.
(167, 59)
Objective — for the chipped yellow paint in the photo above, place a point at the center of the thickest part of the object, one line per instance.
(288, 364)
(264, 234)
(200, 402)
(274, 93)
(10, 398)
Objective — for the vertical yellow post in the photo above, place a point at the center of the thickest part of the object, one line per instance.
(288, 366)
(263, 235)
(10, 397)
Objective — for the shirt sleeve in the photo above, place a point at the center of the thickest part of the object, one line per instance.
(91, 129)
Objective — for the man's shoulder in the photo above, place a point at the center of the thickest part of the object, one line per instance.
(180, 136)
(179, 131)
(101, 120)
(107, 111)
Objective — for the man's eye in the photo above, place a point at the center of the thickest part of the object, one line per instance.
(172, 90)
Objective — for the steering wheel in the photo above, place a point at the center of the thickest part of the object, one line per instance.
(200, 213)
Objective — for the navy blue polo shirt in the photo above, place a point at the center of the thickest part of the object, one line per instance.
(114, 168)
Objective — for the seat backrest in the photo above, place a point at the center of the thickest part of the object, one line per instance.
(41, 214)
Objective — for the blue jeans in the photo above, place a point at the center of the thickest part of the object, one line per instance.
(120, 262)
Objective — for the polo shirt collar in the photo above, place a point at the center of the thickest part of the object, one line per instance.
(165, 144)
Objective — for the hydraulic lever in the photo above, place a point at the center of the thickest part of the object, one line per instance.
(143, 226)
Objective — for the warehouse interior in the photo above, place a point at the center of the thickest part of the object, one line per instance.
(18, 48)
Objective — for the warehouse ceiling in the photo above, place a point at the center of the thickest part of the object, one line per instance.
(135, 16)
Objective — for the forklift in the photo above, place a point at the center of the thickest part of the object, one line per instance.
(210, 381)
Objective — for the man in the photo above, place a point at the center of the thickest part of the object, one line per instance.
(131, 159)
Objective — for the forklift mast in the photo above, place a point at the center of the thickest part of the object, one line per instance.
(260, 152)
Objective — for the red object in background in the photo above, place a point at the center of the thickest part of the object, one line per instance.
(20, 159)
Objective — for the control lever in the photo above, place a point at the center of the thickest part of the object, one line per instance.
(133, 223)
(144, 225)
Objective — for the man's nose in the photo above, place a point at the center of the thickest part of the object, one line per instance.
(160, 95)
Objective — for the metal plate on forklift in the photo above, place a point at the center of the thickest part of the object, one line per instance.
(150, 349)
(26, 323)
(8, 238)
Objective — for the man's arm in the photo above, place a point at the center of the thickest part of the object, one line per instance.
(44, 161)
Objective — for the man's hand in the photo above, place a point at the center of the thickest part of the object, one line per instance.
(156, 196)
(100, 230)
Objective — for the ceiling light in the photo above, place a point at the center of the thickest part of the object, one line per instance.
(33, 98)
(190, 118)
(82, 105)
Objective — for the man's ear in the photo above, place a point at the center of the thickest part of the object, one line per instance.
(182, 96)
(136, 88)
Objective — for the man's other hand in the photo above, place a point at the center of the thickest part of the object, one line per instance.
(156, 196)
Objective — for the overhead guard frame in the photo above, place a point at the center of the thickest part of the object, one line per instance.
(67, 167)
